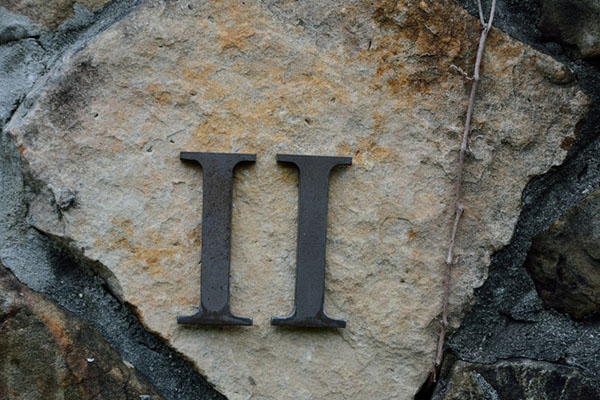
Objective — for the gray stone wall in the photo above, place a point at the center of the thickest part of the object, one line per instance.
(521, 340)
(529, 325)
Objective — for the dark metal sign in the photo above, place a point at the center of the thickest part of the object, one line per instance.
(313, 185)
(217, 192)
(217, 189)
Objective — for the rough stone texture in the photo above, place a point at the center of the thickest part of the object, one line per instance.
(14, 27)
(564, 261)
(50, 14)
(353, 79)
(573, 22)
(77, 287)
(509, 320)
(519, 379)
(28, 49)
(42, 263)
(20, 61)
(50, 354)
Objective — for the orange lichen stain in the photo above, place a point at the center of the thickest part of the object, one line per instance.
(123, 243)
(123, 115)
(194, 237)
(381, 153)
(119, 237)
(433, 34)
(215, 130)
(509, 49)
(344, 149)
(394, 85)
(148, 185)
(125, 224)
(511, 54)
(367, 150)
(378, 121)
(369, 146)
(235, 37)
(152, 256)
(165, 96)
(196, 74)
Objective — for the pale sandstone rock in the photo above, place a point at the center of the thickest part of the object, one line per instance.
(342, 78)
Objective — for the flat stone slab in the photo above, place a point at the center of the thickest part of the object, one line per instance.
(102, 135)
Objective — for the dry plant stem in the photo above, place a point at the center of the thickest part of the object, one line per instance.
(458, 205)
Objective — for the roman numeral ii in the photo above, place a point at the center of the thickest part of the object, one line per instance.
(217, 189)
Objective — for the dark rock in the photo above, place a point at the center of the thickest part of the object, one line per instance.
(47, 353)
(573, 22)
(564, 261)
(509, 320)
(519, 379)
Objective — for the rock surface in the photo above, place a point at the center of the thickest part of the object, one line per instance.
(520, 379)
(42, 263)
(564, 261)
(574, 22)
(372, 82)
(50, 354)
(509, 320)
(29, 46)
(20, 61)
(50, 14)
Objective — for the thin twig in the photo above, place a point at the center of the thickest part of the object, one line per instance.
(481, 18)
(459, 209)
(461, 71)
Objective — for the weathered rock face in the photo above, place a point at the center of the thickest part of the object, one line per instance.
(50, 354)
(521, 379)
(574, 22)
(351, 79)
(50, 14)
(564, 261)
